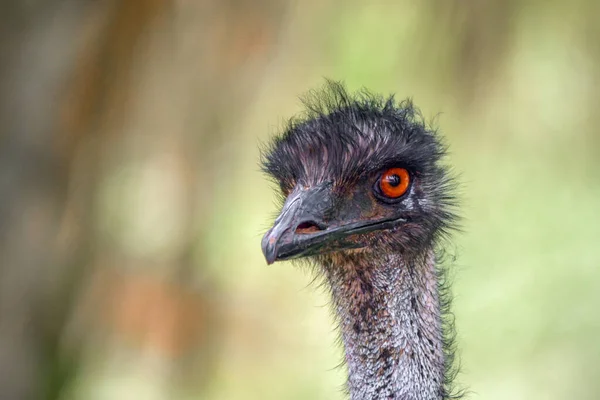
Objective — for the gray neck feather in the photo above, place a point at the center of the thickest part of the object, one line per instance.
(389, 313)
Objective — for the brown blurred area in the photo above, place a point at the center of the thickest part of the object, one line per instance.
(97, 91)
(131, 205)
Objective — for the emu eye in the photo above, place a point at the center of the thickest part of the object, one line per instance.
(394, 182)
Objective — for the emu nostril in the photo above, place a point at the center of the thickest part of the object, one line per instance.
(308, 227)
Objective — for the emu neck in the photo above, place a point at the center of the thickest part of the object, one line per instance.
(389, 315)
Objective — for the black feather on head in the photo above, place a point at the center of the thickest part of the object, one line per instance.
(348, 141)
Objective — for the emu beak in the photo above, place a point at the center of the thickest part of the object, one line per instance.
(302, 228)
(300, 220)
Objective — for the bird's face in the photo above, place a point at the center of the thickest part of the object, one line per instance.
(325, 217)
(357, 182)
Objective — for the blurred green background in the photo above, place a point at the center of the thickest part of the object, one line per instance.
(132, 207)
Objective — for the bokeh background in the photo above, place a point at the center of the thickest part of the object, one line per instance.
(132, 206)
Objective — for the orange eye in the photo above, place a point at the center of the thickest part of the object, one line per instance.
(394, 182)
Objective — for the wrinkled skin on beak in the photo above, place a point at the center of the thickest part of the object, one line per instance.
(320, 219)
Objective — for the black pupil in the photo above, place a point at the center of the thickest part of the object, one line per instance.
(393, 180)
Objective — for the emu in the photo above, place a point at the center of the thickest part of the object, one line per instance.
(368, 200)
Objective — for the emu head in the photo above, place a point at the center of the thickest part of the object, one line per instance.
(358, 174)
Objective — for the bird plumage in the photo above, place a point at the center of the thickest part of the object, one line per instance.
(379, 254)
